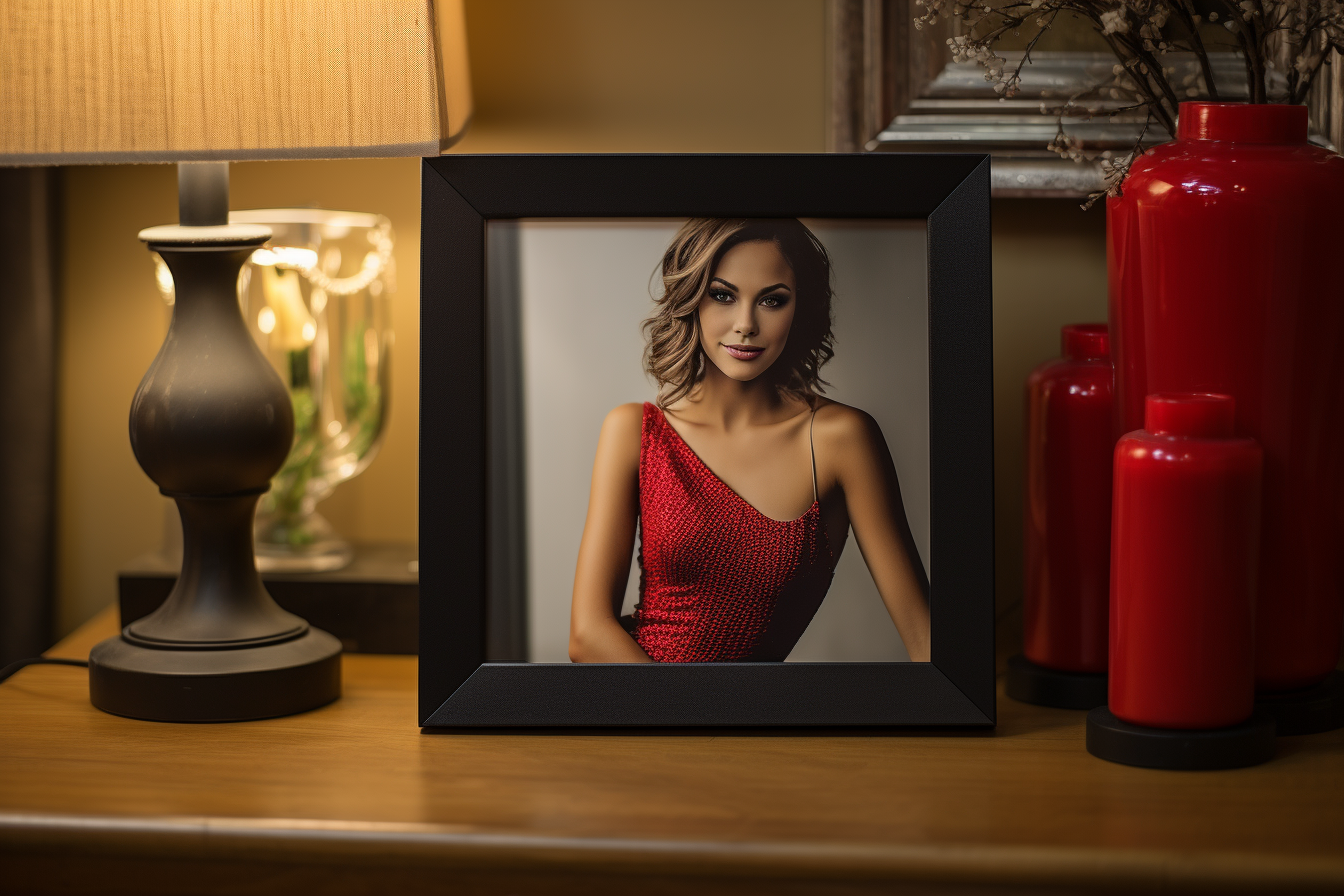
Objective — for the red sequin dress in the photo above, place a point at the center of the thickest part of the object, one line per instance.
(720, 582)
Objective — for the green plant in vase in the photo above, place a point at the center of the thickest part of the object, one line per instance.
(363, 394)
(285, 502)
(292, 330)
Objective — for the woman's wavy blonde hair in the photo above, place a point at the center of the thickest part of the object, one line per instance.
(672, 352)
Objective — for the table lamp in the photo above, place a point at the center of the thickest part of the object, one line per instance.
(201, 83)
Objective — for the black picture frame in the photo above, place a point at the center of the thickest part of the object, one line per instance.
(459, 196)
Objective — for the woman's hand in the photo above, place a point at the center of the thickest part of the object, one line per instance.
(595, 634)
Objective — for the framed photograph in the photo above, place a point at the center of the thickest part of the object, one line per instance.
(706, 441)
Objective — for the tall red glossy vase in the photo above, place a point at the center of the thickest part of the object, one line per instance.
(1068, 504)
(1226, 259)
(1184, 536)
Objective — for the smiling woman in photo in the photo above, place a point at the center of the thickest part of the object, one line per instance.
(743, 481)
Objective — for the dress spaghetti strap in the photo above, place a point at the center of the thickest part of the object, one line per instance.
(812, 449)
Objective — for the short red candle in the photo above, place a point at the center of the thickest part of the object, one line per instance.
(1184, 552)
(1068, 504)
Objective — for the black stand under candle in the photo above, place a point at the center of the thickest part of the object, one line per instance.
(1180, 749)
(1030, 683)
(1312, 710)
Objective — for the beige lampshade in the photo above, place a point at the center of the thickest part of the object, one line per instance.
(196, 80)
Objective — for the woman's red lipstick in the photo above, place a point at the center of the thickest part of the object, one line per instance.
(745, 352)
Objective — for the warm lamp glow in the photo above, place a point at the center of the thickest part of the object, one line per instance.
(289, 256)
(196, 80)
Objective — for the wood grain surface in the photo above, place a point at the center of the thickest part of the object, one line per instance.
(352, 798)
(164, 80)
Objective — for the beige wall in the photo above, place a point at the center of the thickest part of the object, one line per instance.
(111, 322)
(647, 75)
(549, 76)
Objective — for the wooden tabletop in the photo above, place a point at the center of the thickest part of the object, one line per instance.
(353, 798)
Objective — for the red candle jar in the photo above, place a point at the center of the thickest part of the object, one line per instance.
(1184, 549)
(1226, 275)
(1068, 504)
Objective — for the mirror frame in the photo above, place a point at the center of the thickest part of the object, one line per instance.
(895, 89)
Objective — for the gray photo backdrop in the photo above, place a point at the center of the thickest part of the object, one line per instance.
(566, 300)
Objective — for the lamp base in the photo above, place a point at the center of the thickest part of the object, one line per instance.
(1309, 710)
(230, 685)
(1236, 746)
(1031, 683)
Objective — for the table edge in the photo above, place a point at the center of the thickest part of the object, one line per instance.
(370, 845)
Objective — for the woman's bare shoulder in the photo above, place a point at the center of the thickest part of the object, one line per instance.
(842, 422)
(848, 435)
(850, 446)
(625, 417)
(622, 431)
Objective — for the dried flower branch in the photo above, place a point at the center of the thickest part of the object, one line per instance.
(1291, 39)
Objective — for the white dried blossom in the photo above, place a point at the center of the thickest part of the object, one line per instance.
(1068, 147)
(1114, 22)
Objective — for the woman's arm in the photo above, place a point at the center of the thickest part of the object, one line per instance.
(867, 476)
(595, 635)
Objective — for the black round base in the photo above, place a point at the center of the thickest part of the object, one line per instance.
(1237, 746)
(1308, 711)
(1031, 683)
(215, 685)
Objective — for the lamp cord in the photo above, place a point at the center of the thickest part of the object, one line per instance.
(37, 661)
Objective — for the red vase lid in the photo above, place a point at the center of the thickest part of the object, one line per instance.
(1197, 415)
(1084, 342)
(1243, 122)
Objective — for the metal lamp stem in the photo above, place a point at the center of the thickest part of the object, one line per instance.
(202, 193)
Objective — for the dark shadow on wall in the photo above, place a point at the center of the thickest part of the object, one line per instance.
(1049, 271)
(28, 246)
